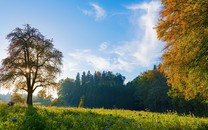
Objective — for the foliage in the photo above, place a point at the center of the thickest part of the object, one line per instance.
(68, 92)
(43, 99)
(99, 90)
(183, 25)
(32, 61)
(151, 91)
(17, 98)
(46, 118)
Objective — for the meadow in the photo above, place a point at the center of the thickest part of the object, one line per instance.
(19, 117)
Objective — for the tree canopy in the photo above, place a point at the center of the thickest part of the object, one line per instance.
(183, 25)
(32, 61)
(151, 91)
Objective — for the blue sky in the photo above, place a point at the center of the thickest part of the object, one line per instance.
(95, 35)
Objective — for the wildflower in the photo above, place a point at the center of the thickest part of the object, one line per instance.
(14, 119)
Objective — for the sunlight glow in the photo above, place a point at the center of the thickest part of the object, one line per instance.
(27, 70)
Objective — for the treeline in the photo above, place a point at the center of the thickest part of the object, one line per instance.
(148, 91)
(98, 90)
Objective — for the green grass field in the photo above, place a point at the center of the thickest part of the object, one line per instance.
(51, 118)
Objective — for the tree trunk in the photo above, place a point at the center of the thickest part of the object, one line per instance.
(29, 98)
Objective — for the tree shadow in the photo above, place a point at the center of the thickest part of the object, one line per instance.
(86, 120)
(33, 120)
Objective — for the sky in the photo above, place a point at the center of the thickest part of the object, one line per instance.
(95, 35)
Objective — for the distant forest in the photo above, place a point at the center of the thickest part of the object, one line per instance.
(149, 91)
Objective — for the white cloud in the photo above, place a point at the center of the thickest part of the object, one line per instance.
(69, 68)
(152, 6)
(103, 46)
(145, 48)
(86, 59)
(97, 11)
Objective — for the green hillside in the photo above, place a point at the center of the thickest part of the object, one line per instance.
(51, 118)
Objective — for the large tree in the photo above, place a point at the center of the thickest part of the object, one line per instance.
(32, 61)
(183, 25)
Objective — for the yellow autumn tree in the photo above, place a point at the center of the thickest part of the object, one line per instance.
(183, 25)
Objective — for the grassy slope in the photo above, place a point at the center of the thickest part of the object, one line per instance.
(93, 119)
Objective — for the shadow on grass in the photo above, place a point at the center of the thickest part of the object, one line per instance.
(60, 119)
(33, 120)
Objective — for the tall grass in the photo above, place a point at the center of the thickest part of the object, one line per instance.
(20, 117)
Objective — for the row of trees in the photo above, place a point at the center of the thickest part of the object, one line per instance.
(98, 90)
(148, 91)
